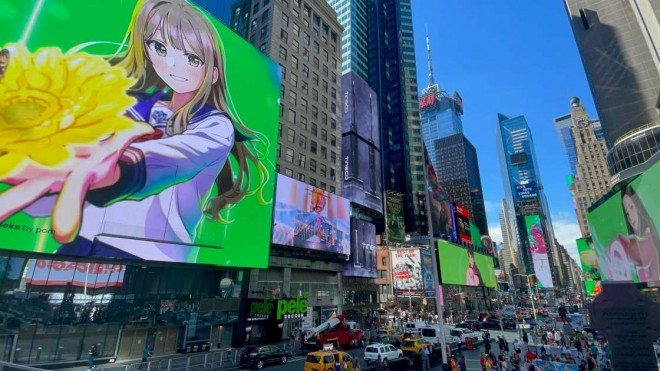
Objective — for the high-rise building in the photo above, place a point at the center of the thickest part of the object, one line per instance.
(353, 15)
(458, 175)
(587, 155)
(440, 113)
(304, 39)
(619, 45)
(526, 206)
(393, 76)
(510, 256)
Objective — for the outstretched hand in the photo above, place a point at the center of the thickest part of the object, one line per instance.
(91, 167)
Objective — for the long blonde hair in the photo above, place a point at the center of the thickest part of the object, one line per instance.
(176, 21)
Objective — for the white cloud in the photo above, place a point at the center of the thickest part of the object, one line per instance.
(567, 230)
(493, 207)
(495, 232)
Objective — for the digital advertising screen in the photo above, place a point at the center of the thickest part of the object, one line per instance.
(589, 262)
(395, 223)
(442, 218)
(361, 173)
(138, 134)
(359, 109)
(536, 240)
(362, 262)
(427, 272)
(525, 191)
(624, 230)
(44, 272)
(462, 217)
(461, 266)
(407, 271)
(311, 218)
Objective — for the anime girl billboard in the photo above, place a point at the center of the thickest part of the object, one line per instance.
(145, 134)
(538, 250)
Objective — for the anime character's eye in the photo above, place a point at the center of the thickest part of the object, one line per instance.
(159, 48)
(194, 60)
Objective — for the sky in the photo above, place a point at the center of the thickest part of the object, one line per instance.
(515, 58)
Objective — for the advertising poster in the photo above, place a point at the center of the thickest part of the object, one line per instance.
(362, 262)
(624, 230)
(500, 274)
(407, 271)
(462, 216)
(427, 272)
(536, 240)
(311, 218)
(396, 226)
(442, 218)
(589, 261)
(525, 191)
(359, 109)
(138, 134)
(42, 272)
(361, 173)
(461, 266)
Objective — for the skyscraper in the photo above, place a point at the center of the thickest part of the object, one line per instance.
(587, 155)
(393, 76)
(353, 17)
(528, 213)
(619, 42)
(458, 175)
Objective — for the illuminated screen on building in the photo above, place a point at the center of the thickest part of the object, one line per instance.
(461, 266)
(362, 262)
(537, 246)
(462, 217)
(589, 262)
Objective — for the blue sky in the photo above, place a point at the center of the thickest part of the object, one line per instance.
(517, 58)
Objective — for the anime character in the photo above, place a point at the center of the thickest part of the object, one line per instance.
(537, 244)
(473, 275)
(4, 61)
(167, 180)
(639, 252)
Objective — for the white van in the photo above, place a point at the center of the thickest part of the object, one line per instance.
(432, 334)
(413, 327)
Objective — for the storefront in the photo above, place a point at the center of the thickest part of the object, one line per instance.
(52, 311)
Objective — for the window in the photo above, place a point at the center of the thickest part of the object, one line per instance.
(296, 29)
(264, 31)
(279, 130)
(333, 141)
(315, 112)
(288, 172)
(316, 20)
(306, 54)
(303, 101)
(293, 97)
(334, 64)
(289, 155)
(315, 78)
(312, 165)
(279, 150)
(324, 170)
(305, 70)
(315, 95)
(324, 152)
(333, 124)
(333, 156)
(292, 115)
(313, 147)
(303, 122)
(284, 36)
(324, 119)
(325, 55)
(285, 20)
(255, 8)
(301, 160)
(282, 72)
(312, 181)
(303, 87)
(294, 79)
(324, 101)
(302, 142)
(323, 185)
(316, 63)
(316, 46)
(333, 92)
(282, 90)
(306, 38)
(294, 62)
(324, 134)
(282, 52)
(333, 176)
(325, 70)
(314, 129)
(333, 107)
(333, 189)
(265, 15)
(307, 11)
(291, 135)
(262, 47)
(301, 177)
(325, 86)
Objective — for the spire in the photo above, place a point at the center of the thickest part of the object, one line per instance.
(428, 52)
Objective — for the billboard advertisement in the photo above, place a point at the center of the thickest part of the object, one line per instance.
(442, 218)
(44, 272)
(407, 271)
(359, 109)
(524, 191)
(461, 266)
(536, 240)
(462, 217)
(589, 262)
(130, 143)
(624, 230)
(362, 262)
(396, 226)
(361, 173)
(427, 272)
(310, 217)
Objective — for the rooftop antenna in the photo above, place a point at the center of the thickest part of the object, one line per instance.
(429, 61)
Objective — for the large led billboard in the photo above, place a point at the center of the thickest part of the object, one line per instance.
(461, 266)
(139, 130)
(395, 224)
(361, 173)
(359, 109)
(43, 272)
(309, 217)
(442, 218)
(536, 240)
(624, 230)
(590, 269)
(362, 262)
(426, 257)
(407, 271)
(462, 218)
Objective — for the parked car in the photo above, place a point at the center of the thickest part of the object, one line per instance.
(387, 353)
(258, 357)
(471, 324)
(325, 360)
(385, 339)
(491, 323)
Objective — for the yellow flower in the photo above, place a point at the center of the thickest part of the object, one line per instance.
(51, 101)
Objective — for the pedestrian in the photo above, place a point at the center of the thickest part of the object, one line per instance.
(504, 366)
(525, 338)
(515, 361)
(379, 364)
(487, 345)
(146, 353)
(461, 363)
(562, 313)
(92, 355)
(457, 340)
(452, 364)
(426, 366)
(482, 361)
(578, 346)
(501, 341)
(356, 364)
(516, 345)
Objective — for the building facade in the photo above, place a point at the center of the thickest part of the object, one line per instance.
(458, 175)
(618, 42)
(352, 15)
(527, 210)
(588, 157)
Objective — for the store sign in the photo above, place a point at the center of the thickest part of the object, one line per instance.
(426, 101)
(278, 309)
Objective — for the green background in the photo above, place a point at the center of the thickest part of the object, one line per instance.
(253, 81)
(589, 284)
(454, 263)
(606, 221)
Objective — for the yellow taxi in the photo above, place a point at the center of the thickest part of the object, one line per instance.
(326, 360)
(414, 345)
